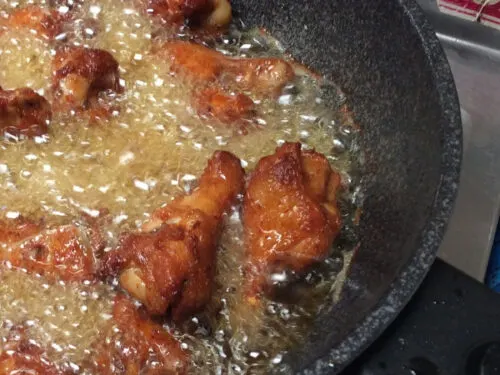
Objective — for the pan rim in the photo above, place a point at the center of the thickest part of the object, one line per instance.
(402, 289)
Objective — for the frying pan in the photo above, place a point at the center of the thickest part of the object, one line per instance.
(385, 57)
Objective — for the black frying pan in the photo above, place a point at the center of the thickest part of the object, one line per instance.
(385, 57)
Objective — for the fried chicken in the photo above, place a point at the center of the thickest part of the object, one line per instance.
(204, 13)
(19, 355)
(226, 108)
(196, 62)
(23, 113)
(226, 82)
(170, 263)
(264, 77)
(144, 346)
(139, 346)
(290, 214)
(79, 74)
(47, 24)
(16, 230)
(61, 253)
(259, 76)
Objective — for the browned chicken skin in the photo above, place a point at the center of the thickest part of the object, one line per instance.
(17, 230)
(23, 113)
(290, 214)
(20, 356)
(59, 253)
(262, 77)
(170, 264)
(228, 109)
(206, 13)
(145, 347)
(140, 347)
(47, 24)
(79, 74)
(196, 62)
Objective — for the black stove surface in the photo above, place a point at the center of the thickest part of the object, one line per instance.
(451, 326)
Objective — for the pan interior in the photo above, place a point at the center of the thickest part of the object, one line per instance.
(397, 86)
(386, 60)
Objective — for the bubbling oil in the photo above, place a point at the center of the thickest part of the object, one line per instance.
(151, 150)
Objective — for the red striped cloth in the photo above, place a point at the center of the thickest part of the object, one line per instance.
(483, 11)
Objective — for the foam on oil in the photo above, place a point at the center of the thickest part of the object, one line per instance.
(151, 150)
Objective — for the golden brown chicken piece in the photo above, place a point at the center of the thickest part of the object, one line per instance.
(259, 76)
(138, 346)
(205, 13)
(16, 230)
(60, 253)
(220, 14)
(219, 75)
(170, 264)
(45, 23)
(21, 356)
(79, 74)
(196, 62)
(23, 113)
(290, 214)
(226, 108)
(263, 77)
(144, 346)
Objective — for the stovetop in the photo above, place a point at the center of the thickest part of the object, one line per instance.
(450, 327)
(452, 324)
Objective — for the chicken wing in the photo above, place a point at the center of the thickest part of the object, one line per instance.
(263, 77)
(47, 24)
(259, 76)
(219, 76)
(196, 62)
(23, 113)
(140, 346)
(61, 253)
(19, 355)
(137, 345)
(290, 214)
(206, 13)
(170, 264)
(17, 230)
(226, 108)
(79, 74)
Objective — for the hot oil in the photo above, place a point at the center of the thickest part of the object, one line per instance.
(65, 320)
(152, 149)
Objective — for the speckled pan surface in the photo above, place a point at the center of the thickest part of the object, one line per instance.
(385, 57)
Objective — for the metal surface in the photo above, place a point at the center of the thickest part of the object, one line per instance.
(473, 51)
